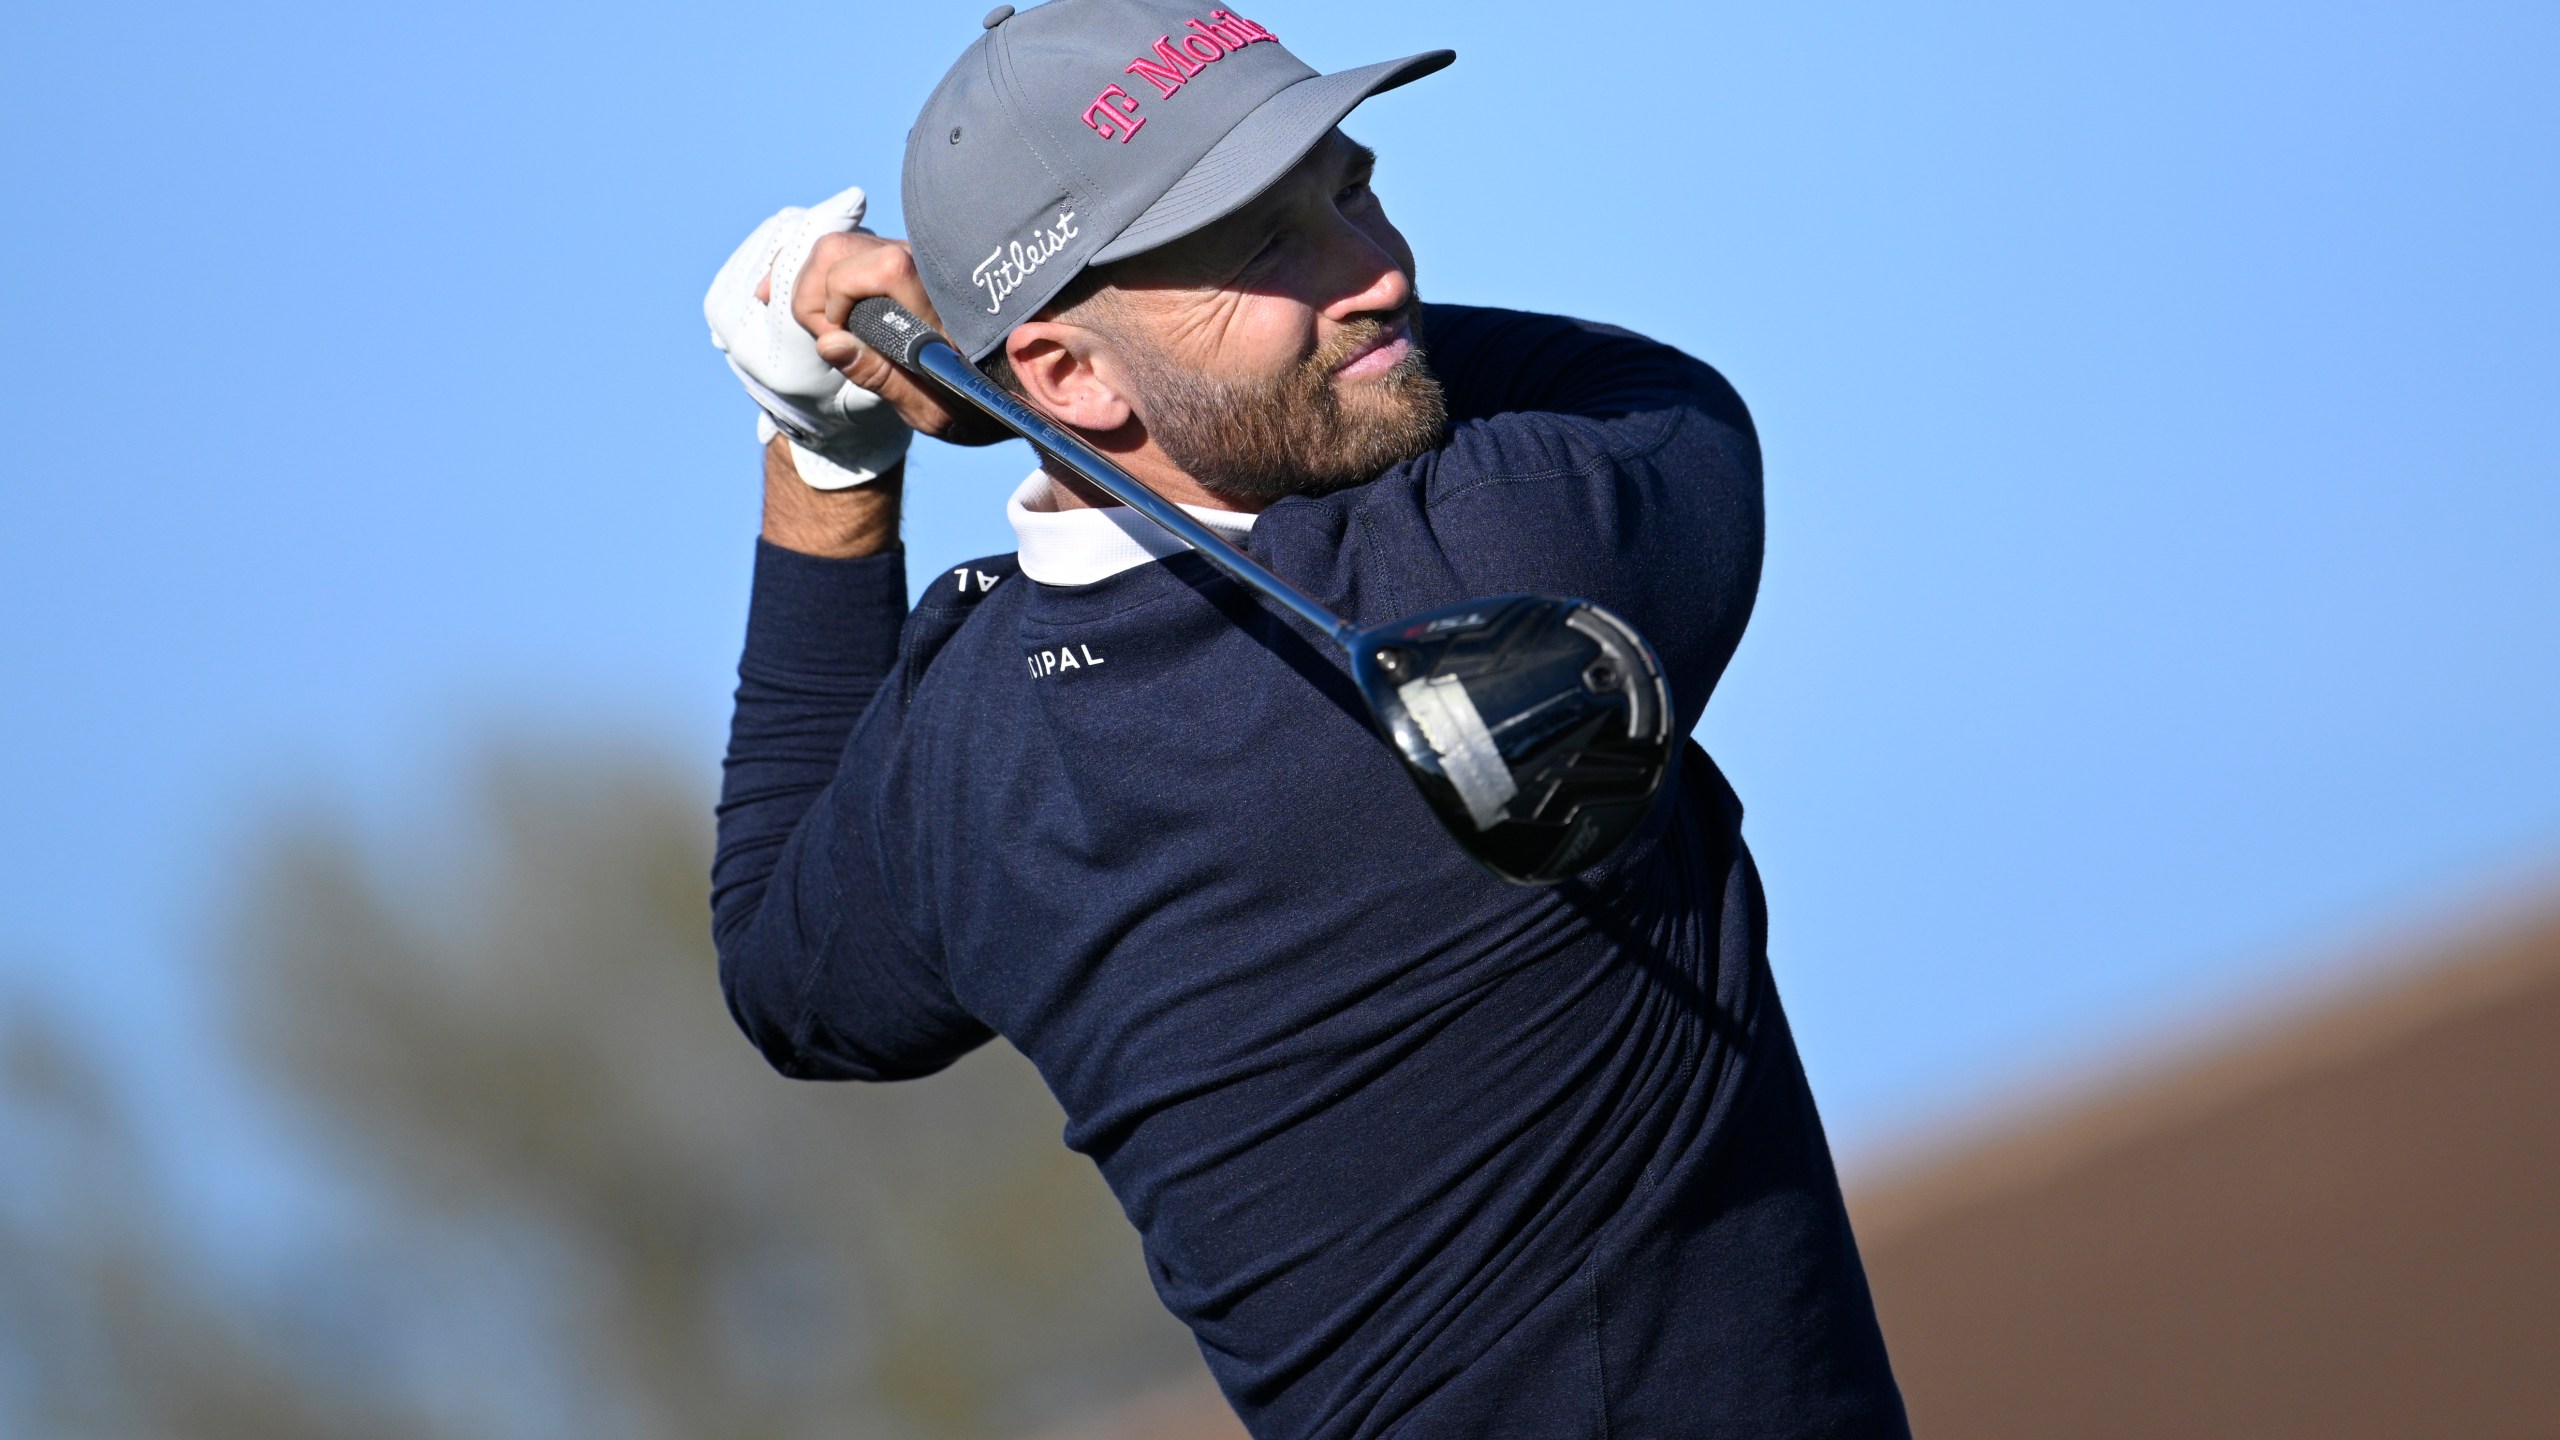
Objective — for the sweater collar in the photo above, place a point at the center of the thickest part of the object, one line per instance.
(1081, 546)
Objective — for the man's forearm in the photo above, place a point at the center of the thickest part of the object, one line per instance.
(829, 602)
(834, 524)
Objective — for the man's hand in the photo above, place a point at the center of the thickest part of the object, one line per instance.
(843, 435)
(846, 269)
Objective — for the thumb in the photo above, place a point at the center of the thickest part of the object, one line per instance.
(863, 366)
(840, 211)
(839, 349)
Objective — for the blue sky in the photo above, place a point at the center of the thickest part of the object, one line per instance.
(2158, 403)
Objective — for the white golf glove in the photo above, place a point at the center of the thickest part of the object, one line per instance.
(841, 434)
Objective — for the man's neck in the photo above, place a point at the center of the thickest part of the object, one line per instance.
(1074, 492)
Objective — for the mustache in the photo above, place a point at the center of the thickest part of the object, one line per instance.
(1358, 335)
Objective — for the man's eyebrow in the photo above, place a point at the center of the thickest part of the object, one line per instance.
(1358, 161)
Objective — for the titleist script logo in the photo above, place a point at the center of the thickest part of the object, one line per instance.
(1007, 266)
(1113, 115)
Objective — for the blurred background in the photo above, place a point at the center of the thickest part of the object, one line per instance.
(2146, 725)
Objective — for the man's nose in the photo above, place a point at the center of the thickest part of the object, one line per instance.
(1368, 280)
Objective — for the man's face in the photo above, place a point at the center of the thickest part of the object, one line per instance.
(1278, 352)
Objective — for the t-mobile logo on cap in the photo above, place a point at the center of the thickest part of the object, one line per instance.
(1113, 115)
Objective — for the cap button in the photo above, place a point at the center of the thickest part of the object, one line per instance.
(998, 16)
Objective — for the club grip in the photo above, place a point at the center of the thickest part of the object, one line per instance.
(890, 328)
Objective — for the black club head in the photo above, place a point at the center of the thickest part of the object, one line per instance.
(1538, 729)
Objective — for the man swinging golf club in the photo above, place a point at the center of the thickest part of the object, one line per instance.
(1414, 1149)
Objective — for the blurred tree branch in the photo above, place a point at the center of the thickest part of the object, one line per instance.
(580, 1202)
(113, 1331)
(531, 1036)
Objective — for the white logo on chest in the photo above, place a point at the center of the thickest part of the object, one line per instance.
(1046, 663)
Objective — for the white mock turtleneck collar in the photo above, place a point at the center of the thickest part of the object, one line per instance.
(1080, 546)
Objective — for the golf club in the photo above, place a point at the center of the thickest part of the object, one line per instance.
(1537, 728)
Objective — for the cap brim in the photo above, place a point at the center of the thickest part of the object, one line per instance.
(1264, 146)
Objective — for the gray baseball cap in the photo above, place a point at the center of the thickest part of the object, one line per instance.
(1084, 131)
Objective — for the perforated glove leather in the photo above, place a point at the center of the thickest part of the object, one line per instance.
(841, 434)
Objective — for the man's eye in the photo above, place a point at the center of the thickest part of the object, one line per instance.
(1353, 193)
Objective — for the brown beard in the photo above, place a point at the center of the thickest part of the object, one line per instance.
(1296, 433)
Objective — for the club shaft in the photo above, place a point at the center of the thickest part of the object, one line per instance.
(1059, 446)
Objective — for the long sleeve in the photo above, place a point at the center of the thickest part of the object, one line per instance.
(1493, 362)
(1582, 460)
(816, 964)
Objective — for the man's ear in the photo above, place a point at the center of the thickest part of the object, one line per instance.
(1059, 368)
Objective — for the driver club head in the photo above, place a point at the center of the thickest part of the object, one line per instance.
(1539, 729)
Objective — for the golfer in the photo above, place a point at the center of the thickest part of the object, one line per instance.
(1412, 1150)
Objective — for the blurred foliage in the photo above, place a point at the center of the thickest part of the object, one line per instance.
(100, 1335)
(582, 1205)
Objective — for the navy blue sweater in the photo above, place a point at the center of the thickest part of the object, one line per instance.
(1414, 1152)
